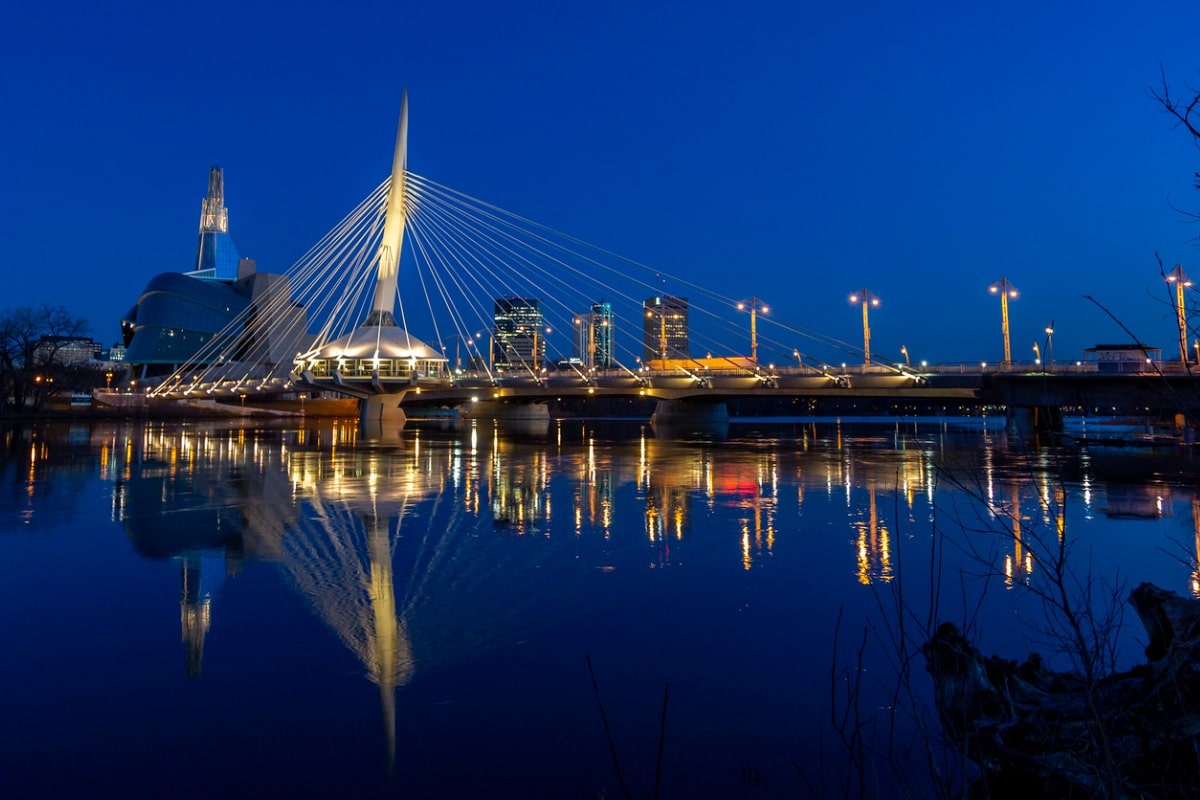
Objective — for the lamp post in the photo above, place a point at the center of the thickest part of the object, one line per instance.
(588, 353)
(1050, 344)
(1037, 354)
(662, 331)
(904, 352)
(108, 380)
(1006, 290)
(1180, 282)
(534, 355)
(755, 309)
(867, 299)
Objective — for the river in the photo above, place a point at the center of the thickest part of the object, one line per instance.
(221, 609)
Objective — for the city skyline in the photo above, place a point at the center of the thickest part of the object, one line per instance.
(782, 152)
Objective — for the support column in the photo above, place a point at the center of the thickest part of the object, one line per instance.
(382, 408)
(1033, 419)
(495, 409)
(690, 412)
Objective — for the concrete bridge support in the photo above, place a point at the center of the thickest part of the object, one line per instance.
(498, 409)
(690, 411)
(1033, 419)
(382, 408)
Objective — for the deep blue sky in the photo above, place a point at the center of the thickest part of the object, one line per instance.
(794, 151)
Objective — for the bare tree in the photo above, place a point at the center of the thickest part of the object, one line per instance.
(31, 349)
(1185, 109)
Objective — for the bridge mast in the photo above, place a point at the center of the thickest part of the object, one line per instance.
(388, 258)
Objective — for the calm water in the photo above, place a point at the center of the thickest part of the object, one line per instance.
(206, 610)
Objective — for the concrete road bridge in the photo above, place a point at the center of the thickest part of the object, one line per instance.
(539, 317)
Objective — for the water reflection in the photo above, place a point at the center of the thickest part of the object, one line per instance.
(422, 547)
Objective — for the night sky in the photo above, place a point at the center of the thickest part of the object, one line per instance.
(793, 151)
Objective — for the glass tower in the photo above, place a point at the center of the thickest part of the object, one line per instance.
(594, 336)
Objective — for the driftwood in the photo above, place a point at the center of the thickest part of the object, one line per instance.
(1043, 733)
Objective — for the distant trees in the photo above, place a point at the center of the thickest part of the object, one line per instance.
(31, 363)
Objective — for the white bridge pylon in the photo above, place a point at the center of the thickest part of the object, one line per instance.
(378, 361)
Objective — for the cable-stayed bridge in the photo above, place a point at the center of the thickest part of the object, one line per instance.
(510, 312)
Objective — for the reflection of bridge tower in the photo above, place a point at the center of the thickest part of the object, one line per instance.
(344, 567)
(382, 549)
(379, 361)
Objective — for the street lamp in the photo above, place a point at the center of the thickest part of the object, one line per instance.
(867, 299)
(755, 309)
(592, 320)
(1006, 290)
(662, 327)
(1181, 282)
(904, 352)
(1037, 354)
(1050, 344)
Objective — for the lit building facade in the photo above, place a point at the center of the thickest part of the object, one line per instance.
(665, 334)
(594, 336)
(66, 350)
(518, 338)
(181, 315)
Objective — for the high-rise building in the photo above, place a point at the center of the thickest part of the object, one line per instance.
(518, 337)
(665, 334)
(594, 336)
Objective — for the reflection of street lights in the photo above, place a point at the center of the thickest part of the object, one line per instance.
(755, 309)
(1006, 290)
(1180, 282)
(904, 352)
(867, 299)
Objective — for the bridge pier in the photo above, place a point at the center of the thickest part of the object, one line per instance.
(498, 409)
(1033, 419)
(690, 416)
(381, 408)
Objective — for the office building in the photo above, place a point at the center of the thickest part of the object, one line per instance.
(518, 337)
(665, 334)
